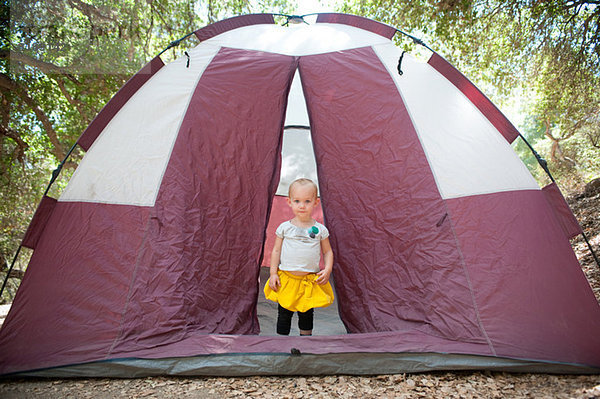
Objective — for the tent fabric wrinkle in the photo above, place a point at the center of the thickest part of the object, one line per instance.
(382, 249)
(448, 255)
(207, 230)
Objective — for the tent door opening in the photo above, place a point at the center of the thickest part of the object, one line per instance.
(297, 160)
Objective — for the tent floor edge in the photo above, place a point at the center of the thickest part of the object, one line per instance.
(253, 364)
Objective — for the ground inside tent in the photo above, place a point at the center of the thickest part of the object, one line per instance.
(327, 320)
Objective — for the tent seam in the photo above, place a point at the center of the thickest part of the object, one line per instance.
(467, 276)
(129, 293)
(192, 92)
(365, 293)
(437, 182)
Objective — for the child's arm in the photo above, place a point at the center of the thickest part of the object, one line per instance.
(323, 275)
(274, 282)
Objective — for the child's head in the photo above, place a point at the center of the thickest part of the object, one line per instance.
(302, 198)
(302, 184)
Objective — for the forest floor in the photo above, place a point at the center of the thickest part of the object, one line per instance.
(425, 385)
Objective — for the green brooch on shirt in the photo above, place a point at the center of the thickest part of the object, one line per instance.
(313, 231)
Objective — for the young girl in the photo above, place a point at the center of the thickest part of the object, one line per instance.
(295, 281)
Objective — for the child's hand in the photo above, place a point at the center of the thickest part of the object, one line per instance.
(274, 282)
(323, 276)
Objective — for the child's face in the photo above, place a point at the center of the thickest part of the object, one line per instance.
(303, 200)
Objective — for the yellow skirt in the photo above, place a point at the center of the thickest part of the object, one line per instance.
(300, 293)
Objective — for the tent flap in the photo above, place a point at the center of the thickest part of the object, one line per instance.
(40, 218)
(563, 213)
(394, 269)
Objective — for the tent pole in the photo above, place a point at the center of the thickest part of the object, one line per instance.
(56, 171)
(12, 265)
(416, 40)
(53, 178)
(591, 249)
(543, 163)
(175, 43)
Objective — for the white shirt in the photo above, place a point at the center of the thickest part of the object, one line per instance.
(299, 251)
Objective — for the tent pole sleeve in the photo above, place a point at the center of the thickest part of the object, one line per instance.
(12, 265)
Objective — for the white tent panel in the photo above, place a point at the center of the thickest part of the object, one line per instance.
(297, 159)
(296, 113)
(297, 40)
(468, 156)
(126, 163)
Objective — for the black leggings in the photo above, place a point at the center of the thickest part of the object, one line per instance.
(284, 320)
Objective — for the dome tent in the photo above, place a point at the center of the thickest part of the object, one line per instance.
(448, 255)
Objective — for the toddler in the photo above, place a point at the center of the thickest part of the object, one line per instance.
(295, 281)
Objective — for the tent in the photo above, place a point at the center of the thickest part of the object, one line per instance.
(448, 255)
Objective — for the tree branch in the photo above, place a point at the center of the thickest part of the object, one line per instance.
(14, 87)
(14, 273)
(594, 140)
(556, 147)
(22, 146)
(76, 103)
(46, 67)
(90, 10)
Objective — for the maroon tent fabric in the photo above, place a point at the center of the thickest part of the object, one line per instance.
(561, 209)
(395, 268)
(38, 222)
(189, 264)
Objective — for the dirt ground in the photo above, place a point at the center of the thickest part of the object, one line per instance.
(429, 385)
(425, 385)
